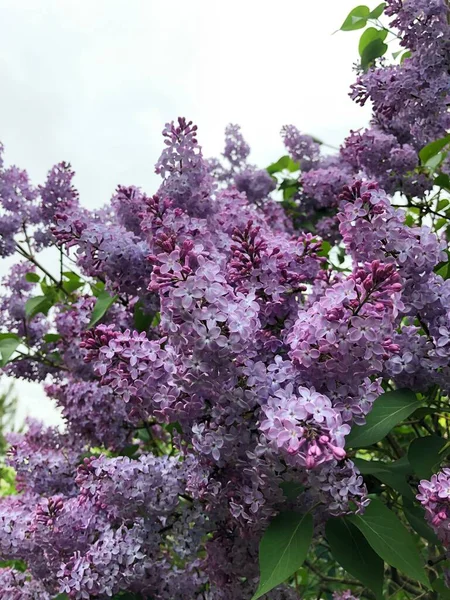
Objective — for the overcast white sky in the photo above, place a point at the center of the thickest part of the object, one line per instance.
(92, 82)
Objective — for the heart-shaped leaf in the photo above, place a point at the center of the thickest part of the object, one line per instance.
(356, 19)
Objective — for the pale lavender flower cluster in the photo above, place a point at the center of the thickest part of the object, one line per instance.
(345, 595)
(255, 183)
(410, 100)
(392, 165)
(235, 358)
(302, 148)
(44, 459)
(304, 425)
(434, 496)
(373, 229)
(16, 585)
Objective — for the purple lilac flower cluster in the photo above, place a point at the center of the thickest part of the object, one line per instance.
(434, 496)
(234, 358)
(410, 100)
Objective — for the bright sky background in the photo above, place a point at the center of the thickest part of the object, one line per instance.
(92, 82)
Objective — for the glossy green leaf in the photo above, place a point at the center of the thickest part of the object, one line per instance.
(325, 249)
(351, 550)
(424, 455)
(283, 549)
(373, 50)
(36, 305)
(8, 345)
(404, 56)
(443, 268)
(142, 318)
(391, 540)
(433, 148)
(368, 36)
(388, 410)
(440, 587)
(443, 181)
(104, 301)
(32, 277)
(377, 11)
(292, 489)
(415, 515)
(285, 162)
(356, 19)
(435, 161)
(72, 282)
(51, 337)
(97, 288)
(393, 474)
(289, 192)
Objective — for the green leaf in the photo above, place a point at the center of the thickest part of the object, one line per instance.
(369, 35)
(388, 410)
(393, 474)
(442, 181)
(378, 11)
(404, 56)
(435, 161)
(374, 49)
(424, 455)
(97, 288)
(433, 148)
(351, 550)
(283, 549)
(416, 518)
(440, 587)
(73, 281)
(443, 268)
(391, 540)
(8, 345)
(292, 489)
(142, 319)
(156, 319)
(104, 301)
(325, 250)
(289, 192)
(36, 305)
(51, 337)
(285, 162)
(32, 277)
(356, 19)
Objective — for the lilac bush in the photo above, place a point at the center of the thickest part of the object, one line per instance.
(252, 364)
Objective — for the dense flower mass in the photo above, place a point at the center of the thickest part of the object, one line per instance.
(211, 351)
(435, 498)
